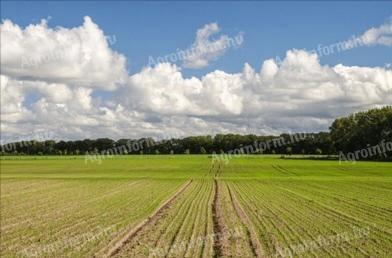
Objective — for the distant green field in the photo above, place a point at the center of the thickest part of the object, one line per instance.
(194, 206)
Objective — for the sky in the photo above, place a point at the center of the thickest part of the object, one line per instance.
(76, 70)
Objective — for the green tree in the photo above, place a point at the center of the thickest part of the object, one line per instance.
(361, 130)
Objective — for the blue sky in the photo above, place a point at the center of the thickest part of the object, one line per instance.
(144, 29)
(93, 89)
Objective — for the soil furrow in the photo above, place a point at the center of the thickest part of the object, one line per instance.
(221, 244)
(151, 219)
(173, 224)
(254, 241)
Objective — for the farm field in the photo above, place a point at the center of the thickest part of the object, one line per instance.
(192, 206)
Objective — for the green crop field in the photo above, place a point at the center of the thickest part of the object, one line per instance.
(192, 206)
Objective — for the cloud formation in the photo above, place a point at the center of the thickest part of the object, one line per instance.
(381, 35)
(58, 96)
(205, 49)
(294, 88)
(79, 56)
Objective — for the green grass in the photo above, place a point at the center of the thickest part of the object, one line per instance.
(63, 206)
(119, 167)
(188, 219)
(58, 206)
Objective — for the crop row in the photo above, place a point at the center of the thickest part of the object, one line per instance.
(77, 217)
(185, 229)
(293, 223)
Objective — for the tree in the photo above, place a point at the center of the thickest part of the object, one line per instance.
(363, 130)
(355, 132)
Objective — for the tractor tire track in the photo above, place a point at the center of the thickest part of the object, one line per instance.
(151, 219)
(221, 244)
(253, 239)
(275, 223)
(283, 170)
(182, 210)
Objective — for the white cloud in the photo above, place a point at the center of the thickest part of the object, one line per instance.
(204, 49)
(12, 97)
(162, 89)
(379, 36)
(300, 94)
(78, 56)
(299, 80)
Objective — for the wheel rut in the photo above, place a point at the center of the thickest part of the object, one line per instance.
(221, 244)
(253, 239)
(155, 216)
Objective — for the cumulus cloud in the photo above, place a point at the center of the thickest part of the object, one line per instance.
(12, 98)
(205, 49)
(78, 56)
(164, 90)
(381, 35)
(298, 94)
(296, 87)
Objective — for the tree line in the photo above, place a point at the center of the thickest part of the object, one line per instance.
(347, 136)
